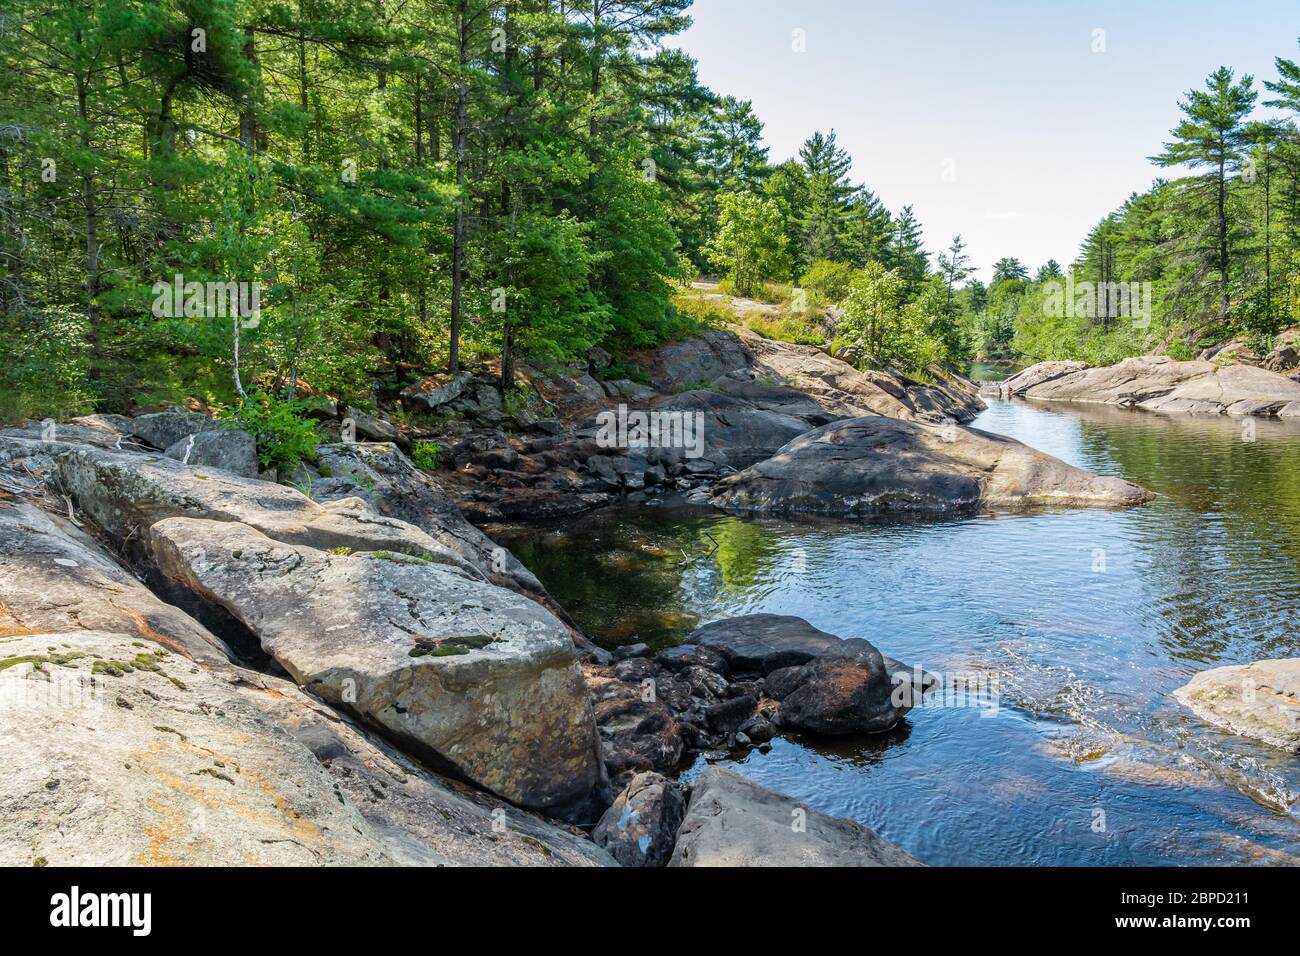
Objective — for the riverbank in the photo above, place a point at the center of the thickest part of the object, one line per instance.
(1089, 621)
(267, 578)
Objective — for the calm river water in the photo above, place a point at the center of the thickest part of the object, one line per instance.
(1084, 621)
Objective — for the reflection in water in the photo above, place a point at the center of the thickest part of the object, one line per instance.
(1089, 618)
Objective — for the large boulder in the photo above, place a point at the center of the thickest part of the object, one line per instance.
(640, 828)
(1259, 700)
(383, 476)
(433, 393)
(685, 362)
(873, 465)
(127, 493)
(1160, 384)
(229, 449)
(827, 685)
(838, 388)
(120, 754)
(836, 696)
(843, 389)
(1037, 375)
(733, 822)
(481, 681)
(419, 818)
(717, 430)
(164, 429)
(1285, 354)
(372, 427)
(53, 577)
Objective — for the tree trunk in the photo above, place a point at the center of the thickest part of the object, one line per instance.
(1223, 233)
(91, 210)
(247, 116)
(595, 65)
(458, 231)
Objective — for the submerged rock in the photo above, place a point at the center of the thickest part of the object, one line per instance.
(1160, 384)
(1259, 700)
(731, 821)
(873, 465)
(478, 679)
(640, 828)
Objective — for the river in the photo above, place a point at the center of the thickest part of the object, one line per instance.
(1081, 621)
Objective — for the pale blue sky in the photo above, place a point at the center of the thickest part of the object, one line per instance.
(1039, 135)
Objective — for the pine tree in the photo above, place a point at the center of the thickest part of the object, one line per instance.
(1212, 136)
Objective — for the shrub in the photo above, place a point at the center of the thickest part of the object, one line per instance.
(828, 279)
(284, 437)
(427, 455)
(623, 371)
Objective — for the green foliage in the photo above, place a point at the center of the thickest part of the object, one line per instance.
(888, 332)
(427, 455)
(831, 280)
(750, 243)
(624, 371)
(284, 437)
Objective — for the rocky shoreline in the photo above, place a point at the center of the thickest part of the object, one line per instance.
(337, 667)
(1157, 383)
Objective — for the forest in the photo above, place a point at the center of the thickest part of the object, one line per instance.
(432, 184)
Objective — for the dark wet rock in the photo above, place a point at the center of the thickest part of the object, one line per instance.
(866, 466)
(783, 681)
(736, 433)
(691, 655)
(639, 730)
(634, 669)
(640, 829)
(704, 683)
(835, 696)
(728, 715)
(767, 642)
(758, 729)
(731, 821)
(229, 449)
(826, 684)
(629, 651)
